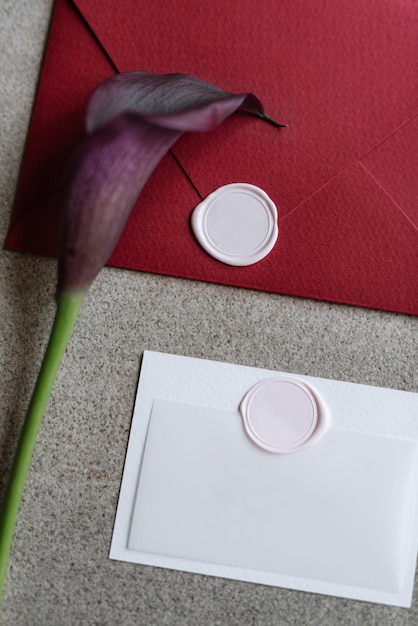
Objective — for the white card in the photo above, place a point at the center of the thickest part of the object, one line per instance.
(339, 517)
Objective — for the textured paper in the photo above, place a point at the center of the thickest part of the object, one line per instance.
(343, 175)
(339, 518)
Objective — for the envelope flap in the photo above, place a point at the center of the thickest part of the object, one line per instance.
(342, 75)
(393, 165)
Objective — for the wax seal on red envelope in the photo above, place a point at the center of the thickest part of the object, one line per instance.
(283, 415)
(236, 224)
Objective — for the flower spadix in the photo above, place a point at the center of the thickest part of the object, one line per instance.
(132, 120)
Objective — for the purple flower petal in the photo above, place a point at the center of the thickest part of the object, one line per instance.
(175, 101)
(105, 177)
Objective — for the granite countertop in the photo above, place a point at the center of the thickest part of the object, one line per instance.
(59, 571)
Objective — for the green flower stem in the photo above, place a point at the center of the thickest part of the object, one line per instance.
(68, 305)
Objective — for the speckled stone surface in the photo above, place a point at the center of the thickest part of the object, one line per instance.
(59, 572)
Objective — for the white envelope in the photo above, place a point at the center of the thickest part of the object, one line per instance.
(338, 518)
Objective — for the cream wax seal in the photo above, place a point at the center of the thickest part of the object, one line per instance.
(236, 224)
(282, 414)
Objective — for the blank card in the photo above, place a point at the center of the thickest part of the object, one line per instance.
(338, 517)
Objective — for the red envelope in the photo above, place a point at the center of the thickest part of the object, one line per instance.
(344, 175)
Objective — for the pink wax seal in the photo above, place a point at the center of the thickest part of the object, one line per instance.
(236, 224)
(283, 415)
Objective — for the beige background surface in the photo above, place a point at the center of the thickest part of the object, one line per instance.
(59, 572)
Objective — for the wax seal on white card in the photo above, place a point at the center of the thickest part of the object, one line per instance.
(283, 415)
(236, 224)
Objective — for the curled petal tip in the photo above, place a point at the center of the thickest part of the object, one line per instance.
(269, 120)
(253, 106)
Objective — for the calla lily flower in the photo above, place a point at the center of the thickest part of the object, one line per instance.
(132, 121)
